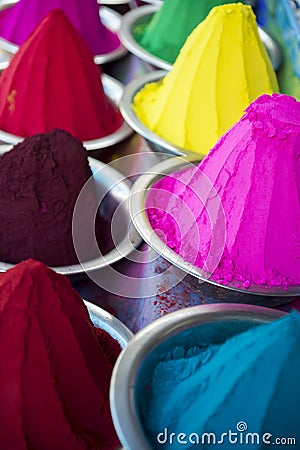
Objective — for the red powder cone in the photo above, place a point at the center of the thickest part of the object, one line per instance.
(54, 377)
(52, 82)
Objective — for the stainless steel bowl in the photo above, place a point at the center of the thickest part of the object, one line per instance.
(155, 142)
(107, 322)
(142, 16)
(113, 90)
(187, 272)
(109, 180)
(110, 18)
(211, 324)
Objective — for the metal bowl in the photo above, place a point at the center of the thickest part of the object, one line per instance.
(110, 19)
(142, 16)
(109, 180)
(187, 272)
(107, 322)
(211, 324)
(113, 90)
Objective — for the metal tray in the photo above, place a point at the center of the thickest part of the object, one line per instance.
(113, 90)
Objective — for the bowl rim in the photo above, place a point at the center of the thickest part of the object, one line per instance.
(136, 14)
(104, 58)
(109, 323)
(137, 207)
(113, 90)
(126, 245)
(145, 341)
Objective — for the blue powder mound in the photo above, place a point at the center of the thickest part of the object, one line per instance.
(248, 388)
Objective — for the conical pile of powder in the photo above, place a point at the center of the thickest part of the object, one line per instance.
(222, 67)
(53, 82)
(55, 375)
(237, 214)
(239, 393)
(40, 181)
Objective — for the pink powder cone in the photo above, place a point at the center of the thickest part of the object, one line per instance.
(254, 170)
(19, 21)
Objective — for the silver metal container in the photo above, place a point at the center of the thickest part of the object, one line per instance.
(211, 324)
(113, 90)
(142, 16)
(110, 19)
(187, 272)
(126, 238)
(107, 322)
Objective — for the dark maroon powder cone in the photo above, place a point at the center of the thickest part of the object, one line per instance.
(40, 180)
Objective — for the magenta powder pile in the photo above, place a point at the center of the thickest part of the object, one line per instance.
(40, 180)
(236, 215)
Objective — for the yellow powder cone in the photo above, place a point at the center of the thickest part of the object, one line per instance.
(220, 70)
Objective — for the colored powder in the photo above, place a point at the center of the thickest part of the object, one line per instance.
(53, 82)
(20, 20)
(251, 378)
(40, 181)
(110, 347)
(170, 26)
(55, 389)
(237, 214)
(203, 95)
